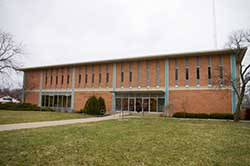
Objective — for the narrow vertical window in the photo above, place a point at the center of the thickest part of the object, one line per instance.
(221, 70)
(68, 77)
(56, 76)
(107, 74)
(62, 78)
(130, 74)
(122, 74)
(80, 76)
(176, 72)
(197, 70)
(93, 75)
(86, 75)
(157, 74)
(51, 77)
(100, 75)
(209, 73)
(46, 77)
(148, 74)
(186, 72)
(139, 74)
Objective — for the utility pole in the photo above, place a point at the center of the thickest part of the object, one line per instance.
(214, 26)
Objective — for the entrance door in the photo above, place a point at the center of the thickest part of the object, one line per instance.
(131, 104)
(138, 104)
(145, 104)
(153, 104)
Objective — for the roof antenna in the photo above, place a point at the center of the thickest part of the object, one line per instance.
(214, 25)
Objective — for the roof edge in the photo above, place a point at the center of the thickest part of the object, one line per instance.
(159, 56)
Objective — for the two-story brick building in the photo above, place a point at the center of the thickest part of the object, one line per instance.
(190, 82)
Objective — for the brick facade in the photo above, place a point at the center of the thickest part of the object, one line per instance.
(199, 98)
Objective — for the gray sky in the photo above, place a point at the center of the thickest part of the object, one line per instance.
(60, 31)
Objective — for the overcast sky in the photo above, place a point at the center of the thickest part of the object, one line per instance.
(60, 31)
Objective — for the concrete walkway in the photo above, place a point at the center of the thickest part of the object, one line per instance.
(17, 126)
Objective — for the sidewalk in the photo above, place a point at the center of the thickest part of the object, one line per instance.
(17, 126)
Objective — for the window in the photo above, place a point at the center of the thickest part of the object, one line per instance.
(130, 73)
(56, 77)
(209, 74)
(86, 75)
(198, 70)
(62, 78)
(148, 74)
(100, 75)
(221, 70)
(46, 77)
(139, 76)
(68, 79)
(157, 74)
(93, 75)
(80, 77)
(107, 73)
(176, 72)
(51, 77)
(186, 72)
(122, 74)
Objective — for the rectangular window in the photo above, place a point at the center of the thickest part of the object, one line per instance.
(62, 78)
(56, 80)
(186, 72)
(139, 74)
(80, 77)
(148, 74)
(209, 73)
(86, 75)
(122, 74)
(107, 73)
(100, 75)
(93, 75)
(130, 73)
(46, 78)
(68, 77)
(176, 72)
(221, 70)
(157, 74)
(51, 77)
(56, 77)
(198, 70)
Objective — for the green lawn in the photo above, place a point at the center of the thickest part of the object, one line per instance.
(8, 117)
(138, 141)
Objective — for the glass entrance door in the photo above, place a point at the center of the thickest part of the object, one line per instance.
(131, 104)
(145, 104)
(153, 104)
(138, 104)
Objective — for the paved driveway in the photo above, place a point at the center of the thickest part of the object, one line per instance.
(17, 126)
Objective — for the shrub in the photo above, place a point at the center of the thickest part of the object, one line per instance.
(94, 106)
(47, 109)
(180, 115)
(101, 106)
(221, 116)
(197, 115)
(23, 107)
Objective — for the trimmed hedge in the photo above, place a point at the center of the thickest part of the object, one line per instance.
(94, 106)
(203, 115)
(23, 107)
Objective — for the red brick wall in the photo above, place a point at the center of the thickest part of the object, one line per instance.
(32, 80)
(201, 101)
(31, 97)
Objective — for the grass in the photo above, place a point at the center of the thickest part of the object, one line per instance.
(138, 141)
(8, 117)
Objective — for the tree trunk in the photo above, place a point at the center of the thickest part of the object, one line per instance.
(237, 112)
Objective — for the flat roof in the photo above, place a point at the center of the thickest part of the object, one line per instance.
(147, 57)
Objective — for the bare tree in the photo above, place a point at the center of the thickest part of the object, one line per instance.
(239, 41)
(9, 53)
